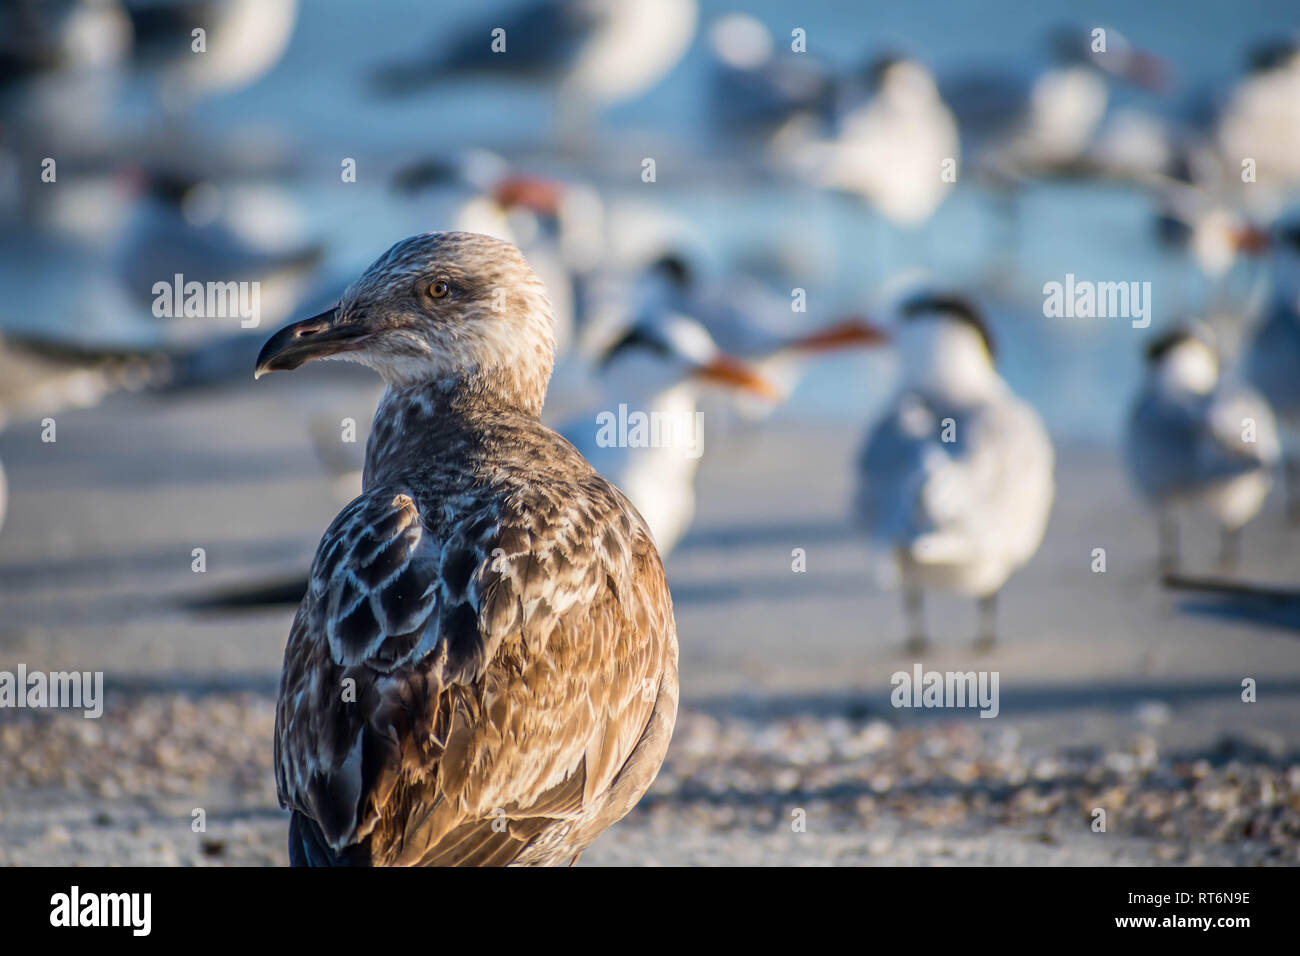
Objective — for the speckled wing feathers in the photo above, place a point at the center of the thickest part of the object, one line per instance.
(508, 643)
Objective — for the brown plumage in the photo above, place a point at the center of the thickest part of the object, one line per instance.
(484, 668)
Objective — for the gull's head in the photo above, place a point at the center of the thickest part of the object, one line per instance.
(944, 344)
(1185, 359)
(442, 306)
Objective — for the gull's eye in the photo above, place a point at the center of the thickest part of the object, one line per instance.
(439, 289)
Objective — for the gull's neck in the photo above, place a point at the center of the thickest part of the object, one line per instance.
(419, 422)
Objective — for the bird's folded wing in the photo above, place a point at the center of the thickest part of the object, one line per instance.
(953, 498)
(891, 469)
(1239, 434)
(922, 472)
(448, 696)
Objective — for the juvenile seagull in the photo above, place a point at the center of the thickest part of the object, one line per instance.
(484, 668)
(956, 479)
(1196, 444)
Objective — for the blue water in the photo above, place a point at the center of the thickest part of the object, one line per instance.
(1079, 372)
(314, 89)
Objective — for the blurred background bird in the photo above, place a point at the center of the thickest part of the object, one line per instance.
(241, 40)
(889, 147)
(955, 480)
(590, 52)
(1040, 114)
(653, 373)
(759, 93)
(1196, 443)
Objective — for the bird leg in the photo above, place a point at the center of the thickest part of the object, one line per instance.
(1229, 547)
(988, 633)
(1169, 556)
(916, 641)
(1291, 480)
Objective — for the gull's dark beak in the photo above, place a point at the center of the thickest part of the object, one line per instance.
(301, 342)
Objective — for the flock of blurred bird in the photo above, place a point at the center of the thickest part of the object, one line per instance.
(955, 480)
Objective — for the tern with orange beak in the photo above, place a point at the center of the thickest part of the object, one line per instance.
(1197, 443)
(484, 668)
(649, 433)
(956, 478)
(749, 322)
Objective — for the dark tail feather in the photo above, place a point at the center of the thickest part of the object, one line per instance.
(307, 846)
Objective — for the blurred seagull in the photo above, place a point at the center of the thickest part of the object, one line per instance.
(1016, 122)
(475, 186)
(1194, 443)
(46, 36)
(60, 289)
(890, 149)
(956, 478)
(244, 39)
(1273, 352)
(756, 93)
(592, 52)
(177, 226)
(497, 608)
(1261, 120)
(1214, 234)
(648, 435)
(479, 191)
(58, 63)
(1210, 229)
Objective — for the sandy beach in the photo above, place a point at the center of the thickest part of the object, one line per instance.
(1114, 694)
